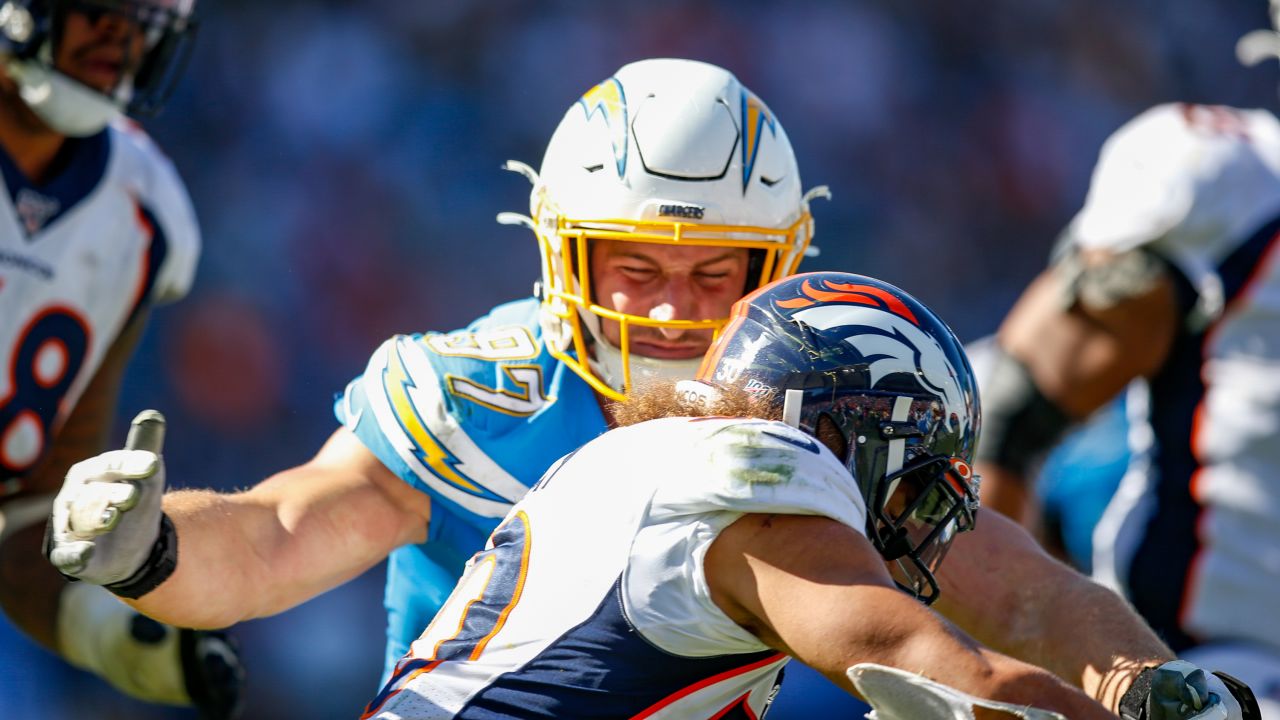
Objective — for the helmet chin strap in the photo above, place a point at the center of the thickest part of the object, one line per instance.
(606, 361)
(63, 104)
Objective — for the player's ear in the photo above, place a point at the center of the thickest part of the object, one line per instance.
(830, 435)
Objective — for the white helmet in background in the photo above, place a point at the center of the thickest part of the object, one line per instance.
(1260, 45)
(30, 30)
(666, 151)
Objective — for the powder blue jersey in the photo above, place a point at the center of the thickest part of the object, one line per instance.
(472, 418)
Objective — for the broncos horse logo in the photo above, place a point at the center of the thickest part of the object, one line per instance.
(886, 335)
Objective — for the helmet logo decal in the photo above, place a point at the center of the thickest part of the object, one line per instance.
(610, 101)
(887, 341)
(755, 117)
(843, 292)
(693, 212)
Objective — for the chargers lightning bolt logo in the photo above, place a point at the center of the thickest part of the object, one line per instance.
(608, 99)
(755, 118)
(428, 450)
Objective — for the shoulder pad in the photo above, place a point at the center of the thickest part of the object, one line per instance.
(155, 185)
(757, 466)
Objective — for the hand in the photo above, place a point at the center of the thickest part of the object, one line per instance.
(107, 517)
(1178, 690)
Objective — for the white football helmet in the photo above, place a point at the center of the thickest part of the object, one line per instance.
(666, 151)
(29, 30)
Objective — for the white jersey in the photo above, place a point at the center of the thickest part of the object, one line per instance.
(79, 255)
(1193, 535)
(590, 601)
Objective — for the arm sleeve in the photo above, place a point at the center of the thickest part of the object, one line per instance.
(399, 410)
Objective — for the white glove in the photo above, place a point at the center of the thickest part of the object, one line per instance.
(900, 695)
(107, 517)
(1179, 690)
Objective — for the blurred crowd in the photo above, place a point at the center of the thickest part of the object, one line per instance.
(344, 158)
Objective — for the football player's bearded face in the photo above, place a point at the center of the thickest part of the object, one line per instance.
(99, 48)
(666, 282)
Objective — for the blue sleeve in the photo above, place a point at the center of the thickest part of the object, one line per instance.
(400, 410)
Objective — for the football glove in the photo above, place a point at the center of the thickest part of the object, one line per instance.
(1178, 690)
(106, 524)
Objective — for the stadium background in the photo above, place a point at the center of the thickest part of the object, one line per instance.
(344, 161)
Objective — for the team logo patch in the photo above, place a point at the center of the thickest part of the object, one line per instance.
(755, 118)
(35, 210)
(608, 99)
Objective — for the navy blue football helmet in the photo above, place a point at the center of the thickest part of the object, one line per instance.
(893, 379)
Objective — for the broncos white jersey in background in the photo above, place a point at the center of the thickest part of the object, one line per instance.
(79, 256)
(589, 599)
(1192, 537)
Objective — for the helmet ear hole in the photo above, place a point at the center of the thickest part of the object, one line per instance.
(829, 433)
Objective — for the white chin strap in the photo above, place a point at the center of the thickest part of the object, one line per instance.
(63, 104)
(606, 361)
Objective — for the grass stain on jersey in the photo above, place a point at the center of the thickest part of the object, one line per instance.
(754, 457)
(764, 475)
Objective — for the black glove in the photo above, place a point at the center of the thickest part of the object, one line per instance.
(213, 672)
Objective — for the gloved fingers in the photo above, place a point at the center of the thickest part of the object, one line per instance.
(71, 557)
(98, 506)
(114, 466)
(146, 432)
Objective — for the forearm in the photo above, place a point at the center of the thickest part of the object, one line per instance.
(1000, 587)
(220, 573)
(914, 639)
(1106, 658)
(260, 552)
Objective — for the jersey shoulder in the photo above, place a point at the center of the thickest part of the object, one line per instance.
(747, 466)
(150, 179)
(1184, 175)
(473, 416)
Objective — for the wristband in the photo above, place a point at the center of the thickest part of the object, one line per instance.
(157, 568)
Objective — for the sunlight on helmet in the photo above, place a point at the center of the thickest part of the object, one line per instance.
(857, 354)
(673, 153)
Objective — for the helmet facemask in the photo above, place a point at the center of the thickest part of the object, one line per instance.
(917, 495)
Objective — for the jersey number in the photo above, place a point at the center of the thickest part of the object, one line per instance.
(46, 360)
(476, 611)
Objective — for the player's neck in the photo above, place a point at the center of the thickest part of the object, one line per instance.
(31, 144)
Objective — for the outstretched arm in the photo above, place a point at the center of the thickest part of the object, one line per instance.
(239, 556)
(818, 591)
(1002, 588)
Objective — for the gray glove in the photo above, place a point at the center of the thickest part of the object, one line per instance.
(1178, 690)
(107, 517)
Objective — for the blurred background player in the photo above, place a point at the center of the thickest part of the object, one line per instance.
(667, 192)
(669, 567)
(96, 229)
(1168, 274)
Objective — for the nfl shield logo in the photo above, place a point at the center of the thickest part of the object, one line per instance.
(34, 210)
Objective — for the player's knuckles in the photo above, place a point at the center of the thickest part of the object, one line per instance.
(137, 464)
(71, 557)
